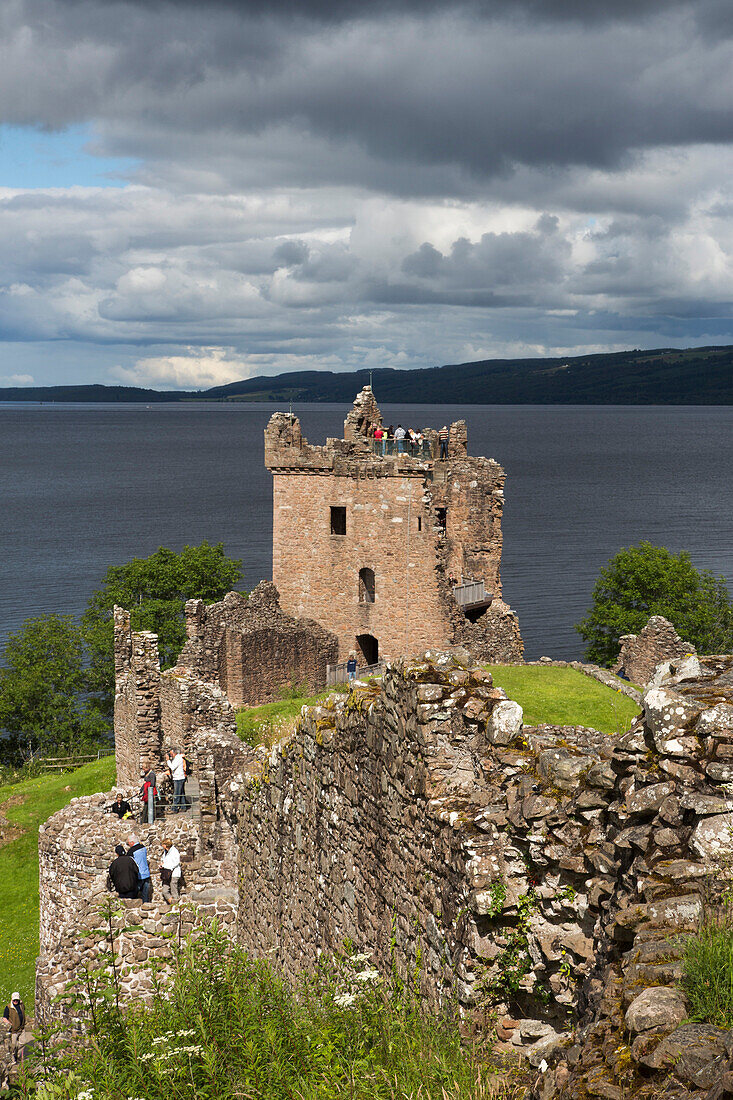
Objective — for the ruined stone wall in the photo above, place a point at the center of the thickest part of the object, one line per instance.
(186, 705)
(251, 648)
(472, 492)
(641, 653)
(416, 812)
(494, 638)
(156, 711)
(137, 699)
(76, 847)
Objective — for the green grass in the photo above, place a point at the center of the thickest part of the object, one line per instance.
(564, 697)
(41, 797)
(263, 725)
(558, 696)
(708, 974)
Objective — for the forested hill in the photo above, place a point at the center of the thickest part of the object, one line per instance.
(667, 376)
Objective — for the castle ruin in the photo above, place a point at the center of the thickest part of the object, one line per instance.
(390, 547)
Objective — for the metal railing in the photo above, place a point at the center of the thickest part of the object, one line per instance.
(471, 592)
(337, 674)
(387, 447)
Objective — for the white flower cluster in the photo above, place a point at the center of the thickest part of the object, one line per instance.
(354, 974)
(174, 1050)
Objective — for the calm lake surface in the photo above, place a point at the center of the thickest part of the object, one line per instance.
(83, 487)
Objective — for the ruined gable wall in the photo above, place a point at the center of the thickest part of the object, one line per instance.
(317, 573)
(641, 653)
(251, 648)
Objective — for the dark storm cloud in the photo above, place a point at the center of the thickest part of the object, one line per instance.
(338, 11)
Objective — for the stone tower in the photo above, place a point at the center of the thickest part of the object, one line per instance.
(395, 551)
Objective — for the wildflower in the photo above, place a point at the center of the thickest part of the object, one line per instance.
(362, 957)
(345, 1000)
(368, 976)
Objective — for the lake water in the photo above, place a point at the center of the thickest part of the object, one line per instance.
(83, 487)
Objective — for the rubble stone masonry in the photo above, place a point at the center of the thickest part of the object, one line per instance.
(549, 873)
(252, 649)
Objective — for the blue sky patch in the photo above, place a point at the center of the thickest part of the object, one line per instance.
(32, 158)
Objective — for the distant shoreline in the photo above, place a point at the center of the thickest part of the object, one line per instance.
(663, 376)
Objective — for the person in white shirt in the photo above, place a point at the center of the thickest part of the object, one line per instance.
(399, 435)
(170, 872)
(177, 766)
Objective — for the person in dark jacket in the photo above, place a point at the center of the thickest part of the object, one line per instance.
(120, 807)
(139, 853)
(123, 874)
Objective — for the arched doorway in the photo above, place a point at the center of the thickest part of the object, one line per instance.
(366, 585)
(368, 647)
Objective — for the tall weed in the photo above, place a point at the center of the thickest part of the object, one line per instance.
(231, 1028)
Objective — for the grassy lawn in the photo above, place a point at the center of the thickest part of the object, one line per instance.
(558, 696)
(564, 697)
(32, 802)
(266, 724)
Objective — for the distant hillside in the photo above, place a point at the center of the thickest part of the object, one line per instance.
(88, 393)
(665, 376)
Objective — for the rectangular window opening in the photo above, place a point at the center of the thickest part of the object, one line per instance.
(338, 521)
(419, 523)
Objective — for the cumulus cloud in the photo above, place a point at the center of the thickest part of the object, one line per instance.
(16, 379)
(197, 368)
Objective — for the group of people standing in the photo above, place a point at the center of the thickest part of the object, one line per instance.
(129, 873)
(176, 773)
(406, 440)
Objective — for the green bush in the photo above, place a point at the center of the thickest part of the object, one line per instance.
(708, 974)
(231, 1027)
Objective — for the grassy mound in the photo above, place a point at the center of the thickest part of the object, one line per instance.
(25, 806)
(565, 697)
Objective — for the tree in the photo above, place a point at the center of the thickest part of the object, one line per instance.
(155, 590)
(645, 580)
(44, 701)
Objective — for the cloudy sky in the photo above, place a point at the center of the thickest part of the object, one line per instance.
(194, 192)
